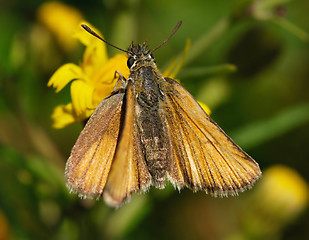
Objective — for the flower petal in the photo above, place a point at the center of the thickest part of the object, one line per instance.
(63, 116)
(81, 94)
(64, 75)
(83, 36)
(105, 79)
(205, 107)
(170, 68)
(174, 68)
(95, 55)
(61, 20)
(106, 73)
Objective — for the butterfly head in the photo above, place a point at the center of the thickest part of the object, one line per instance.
(139, 53)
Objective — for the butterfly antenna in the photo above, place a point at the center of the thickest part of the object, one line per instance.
(88, 29)
(172, 33)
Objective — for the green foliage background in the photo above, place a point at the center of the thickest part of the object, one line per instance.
(252, 72)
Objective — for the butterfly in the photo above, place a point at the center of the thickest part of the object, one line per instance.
(149, 130)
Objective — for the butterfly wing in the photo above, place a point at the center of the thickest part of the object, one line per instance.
(88, 166)
(129, 172)
(203, 157)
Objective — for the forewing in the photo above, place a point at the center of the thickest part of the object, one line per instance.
(203, 157)
(129, 172)
(88, 166)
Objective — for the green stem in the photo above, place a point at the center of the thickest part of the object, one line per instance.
(205, 71)
(292, 28)
(262, 131)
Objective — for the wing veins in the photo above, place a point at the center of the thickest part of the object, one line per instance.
(183, 130)
(92, 157)
(202, 132)
(236, 174)
(241, 174)
(101, 179)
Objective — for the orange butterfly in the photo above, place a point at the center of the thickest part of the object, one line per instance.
(151, 129)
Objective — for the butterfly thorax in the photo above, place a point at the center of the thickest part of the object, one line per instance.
(145, 76)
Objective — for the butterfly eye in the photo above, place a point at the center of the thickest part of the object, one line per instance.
(130, 62)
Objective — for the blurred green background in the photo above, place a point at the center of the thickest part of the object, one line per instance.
(248, 62)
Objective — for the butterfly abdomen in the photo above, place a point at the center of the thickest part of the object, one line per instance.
(153, 142)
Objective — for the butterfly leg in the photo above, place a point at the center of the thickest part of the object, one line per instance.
(121, 78)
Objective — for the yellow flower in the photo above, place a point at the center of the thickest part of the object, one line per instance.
(60, 20)
(92, 80)
(285, 192)
(277, 200)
